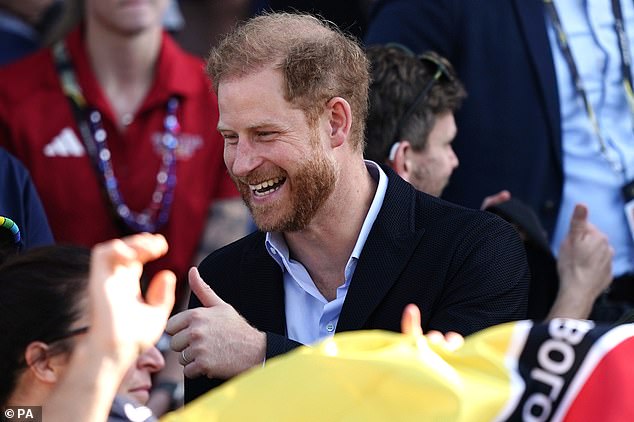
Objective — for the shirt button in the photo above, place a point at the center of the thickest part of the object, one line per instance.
(330, 327)
(273, 251)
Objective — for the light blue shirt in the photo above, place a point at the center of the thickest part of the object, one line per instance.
(309, 315)
(588, 177)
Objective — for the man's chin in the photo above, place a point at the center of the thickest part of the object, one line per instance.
(266, 223)
(279, 223)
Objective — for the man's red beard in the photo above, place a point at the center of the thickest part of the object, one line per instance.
(309, 187)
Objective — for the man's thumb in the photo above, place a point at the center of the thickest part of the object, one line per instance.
(203, 292)
(579, 220)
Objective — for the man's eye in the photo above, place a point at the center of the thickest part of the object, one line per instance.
(230, 137)
(266, 135)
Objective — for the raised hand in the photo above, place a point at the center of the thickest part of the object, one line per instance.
(498, 198)
(122, 320)
(411, 325)
(214, 340)
(122, 324)
(584, 266)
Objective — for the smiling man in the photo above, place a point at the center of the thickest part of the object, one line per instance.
(344, 244)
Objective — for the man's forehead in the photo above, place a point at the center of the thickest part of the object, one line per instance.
(265, 70)
(265, 123)
(255, 101)
(253, 87)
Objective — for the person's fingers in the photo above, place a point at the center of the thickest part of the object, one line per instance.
(454, 340)
(435, 337)
(178, 322)
(193, 369)
(411, 321)
(184, 358)
(579, 220)
(161, 292)
(451, 341)
(498, 198)
(203, 292)
(179, 341)
(104, 255)
(147, 246)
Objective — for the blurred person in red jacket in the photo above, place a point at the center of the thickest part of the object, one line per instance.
(117, 126)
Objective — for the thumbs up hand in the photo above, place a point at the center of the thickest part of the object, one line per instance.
(584, 266)
(214, 340)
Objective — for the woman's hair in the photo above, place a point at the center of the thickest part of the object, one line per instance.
(42, 293)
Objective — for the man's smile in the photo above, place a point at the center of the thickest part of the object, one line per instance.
(267, 187)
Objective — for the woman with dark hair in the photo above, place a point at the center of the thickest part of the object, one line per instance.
(54, 301)
(43, 307)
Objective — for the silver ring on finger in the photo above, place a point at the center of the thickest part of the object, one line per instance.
(184, 358)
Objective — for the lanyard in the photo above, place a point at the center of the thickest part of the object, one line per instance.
(624, 49)
(156, 214)
(626, 69)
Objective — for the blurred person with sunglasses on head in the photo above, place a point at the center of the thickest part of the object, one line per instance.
(411, 127)
(410, 124)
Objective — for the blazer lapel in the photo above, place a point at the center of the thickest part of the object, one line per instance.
(261, 289)
(530, 14)
(391, 242)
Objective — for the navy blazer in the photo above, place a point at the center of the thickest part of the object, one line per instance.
(20, 202)
(466, 270)
(509, 134)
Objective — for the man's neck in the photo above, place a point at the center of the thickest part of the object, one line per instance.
(325, 246)
(124, 65)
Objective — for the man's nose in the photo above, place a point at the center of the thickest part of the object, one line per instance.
(152, 358)
(243, 158)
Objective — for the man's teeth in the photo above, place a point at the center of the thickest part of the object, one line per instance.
(267, 187)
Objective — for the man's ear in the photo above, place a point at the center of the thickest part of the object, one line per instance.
(45, 368)
(339, 115)
(400, 162)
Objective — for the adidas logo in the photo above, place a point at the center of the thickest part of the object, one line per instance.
(65, 144)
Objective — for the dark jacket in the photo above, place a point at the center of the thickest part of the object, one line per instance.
(509, 133)
(20, 202)
(464, 268)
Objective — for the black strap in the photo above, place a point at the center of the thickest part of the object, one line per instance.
(624, 48)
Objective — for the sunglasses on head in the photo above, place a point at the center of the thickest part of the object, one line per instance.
(440, 71)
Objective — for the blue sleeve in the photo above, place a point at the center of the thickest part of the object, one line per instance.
(20, 202)
(15, 47)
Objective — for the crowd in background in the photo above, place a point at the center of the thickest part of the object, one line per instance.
(108, 128)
